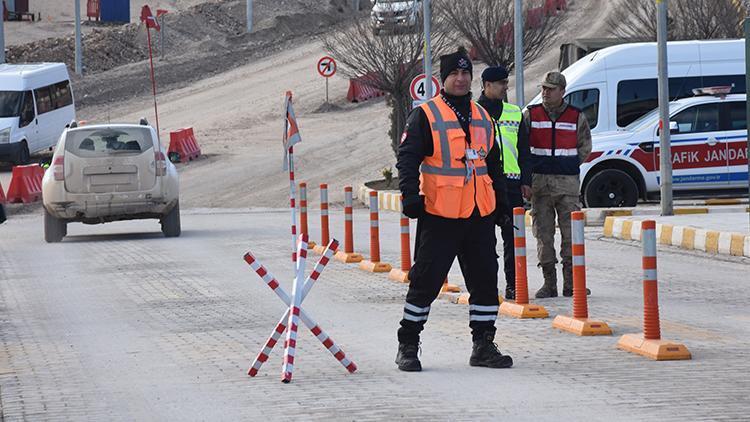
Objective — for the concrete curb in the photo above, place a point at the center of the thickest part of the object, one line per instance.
(388, 200)
(690, 238)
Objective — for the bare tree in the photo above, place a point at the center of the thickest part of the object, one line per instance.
(390, 61)
(688, 19)
(488, 26)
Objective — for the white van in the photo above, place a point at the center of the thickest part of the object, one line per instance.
(616, 85)
(36, 105)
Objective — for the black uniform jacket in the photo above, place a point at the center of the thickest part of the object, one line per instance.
(417, 143)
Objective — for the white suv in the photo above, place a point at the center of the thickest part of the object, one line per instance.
(708, 144)
(112, 172)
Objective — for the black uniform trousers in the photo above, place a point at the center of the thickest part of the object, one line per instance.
(515, 199)
(439, 240)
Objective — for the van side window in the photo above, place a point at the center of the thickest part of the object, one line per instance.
(62, 95)
(737, 116)
(586, 100)
(698, 119)
(43, 100)
(639, 96)
(27, 109)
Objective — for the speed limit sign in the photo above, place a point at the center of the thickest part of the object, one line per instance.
(327, 67)
(418, 88)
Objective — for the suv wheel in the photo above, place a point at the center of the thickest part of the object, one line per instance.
(610, 188)
(23, 156)
(54, 228)
(170, 223)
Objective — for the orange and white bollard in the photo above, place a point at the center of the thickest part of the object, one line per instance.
(521, 308)
(348, 255)
(449, 288)
(373, 264)
(649, 343)
(402, 275)
(303, 226)
(580, 323)
(324, 229)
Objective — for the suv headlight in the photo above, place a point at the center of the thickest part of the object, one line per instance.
(5, 136)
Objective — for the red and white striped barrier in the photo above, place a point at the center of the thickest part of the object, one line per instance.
(281, 327)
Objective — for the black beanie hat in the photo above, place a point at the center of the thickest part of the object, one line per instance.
(458, 60)
(494, 74)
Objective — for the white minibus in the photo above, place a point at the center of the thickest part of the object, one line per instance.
(616, 85)
(36, 105)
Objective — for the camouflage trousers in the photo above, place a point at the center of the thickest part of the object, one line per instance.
(553, 196)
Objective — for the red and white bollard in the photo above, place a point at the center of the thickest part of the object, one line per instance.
(649, 343)
(521, 308)
(324, 229)
(580, 323)
(303, 226)
(402, 275)
(373, 264)
(348, 255)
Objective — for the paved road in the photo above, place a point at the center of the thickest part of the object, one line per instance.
(119, 323)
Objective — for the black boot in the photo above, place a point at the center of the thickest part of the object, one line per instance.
(510, 293)
(485, 353)
(407, 359)
(549, 289)
(568, 281)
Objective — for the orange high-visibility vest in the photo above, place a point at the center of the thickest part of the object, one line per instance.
(443, 179)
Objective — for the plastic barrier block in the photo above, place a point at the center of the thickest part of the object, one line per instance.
(183, 146)
(25, 184)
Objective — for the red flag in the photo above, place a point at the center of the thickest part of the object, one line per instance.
(291, 129)
(148, 17)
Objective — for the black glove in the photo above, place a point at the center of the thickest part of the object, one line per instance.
(503, 213)
(413, 206)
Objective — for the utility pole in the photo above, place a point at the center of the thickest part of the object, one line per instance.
(747, 81)
(79, 59)
(2, 33)
(518, 49)
(249, 16)
(665, 154)
(427, 49)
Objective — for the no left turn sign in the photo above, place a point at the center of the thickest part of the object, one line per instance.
(418, 88)
(327, 67)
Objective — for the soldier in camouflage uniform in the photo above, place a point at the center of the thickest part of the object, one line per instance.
(560, 140)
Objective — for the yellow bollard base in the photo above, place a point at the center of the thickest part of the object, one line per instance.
(348, 258)
(399, 275)
(653, 349)
(311, 245)
(375, 267)
(581, 326)
(528, 310)
(450, 288)
(318, 249)
(463, 299)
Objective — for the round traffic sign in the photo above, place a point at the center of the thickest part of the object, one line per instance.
(327, 66)
(418, 87)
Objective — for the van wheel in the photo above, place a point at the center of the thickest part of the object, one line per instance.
(54, 228)
(610, 188)
(23, 156)
(170, 223)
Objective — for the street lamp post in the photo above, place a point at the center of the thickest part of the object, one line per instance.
(427, 49)
(518, 49)
(665, 159)
(79, 54)
(249, 16)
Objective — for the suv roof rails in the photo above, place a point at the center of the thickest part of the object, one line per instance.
(143, 122)
(73, 124)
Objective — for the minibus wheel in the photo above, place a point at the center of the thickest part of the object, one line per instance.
(23, 156)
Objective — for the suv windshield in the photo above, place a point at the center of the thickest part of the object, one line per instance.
(102, 142)
(10, 103)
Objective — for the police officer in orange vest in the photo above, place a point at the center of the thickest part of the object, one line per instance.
(451, 180)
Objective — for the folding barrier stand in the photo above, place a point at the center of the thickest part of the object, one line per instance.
(649, 343)
(521, 308)
(374, 265)
(580, 323)
(295, 313)
(348, 255)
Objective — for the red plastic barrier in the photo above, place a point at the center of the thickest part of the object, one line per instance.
(473, 53)
(93, 9)
(362, 89)
(183, 145)
(534, 17)
(26, 184)
(505, 35)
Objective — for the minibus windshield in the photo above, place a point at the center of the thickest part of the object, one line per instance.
(10, 103)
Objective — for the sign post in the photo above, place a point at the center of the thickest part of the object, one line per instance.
(421, 91)
(665, 160)
(327, 68)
